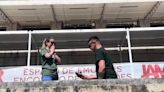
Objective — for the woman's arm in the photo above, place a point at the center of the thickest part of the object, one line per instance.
(45, 53)
(57, 58)
(49, 54)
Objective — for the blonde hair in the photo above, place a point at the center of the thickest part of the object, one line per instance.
(45, 41)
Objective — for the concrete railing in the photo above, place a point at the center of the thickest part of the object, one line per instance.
(147, 85)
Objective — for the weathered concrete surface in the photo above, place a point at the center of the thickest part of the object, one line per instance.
(147, 85)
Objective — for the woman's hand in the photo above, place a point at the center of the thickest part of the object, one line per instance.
(52, 49)
(51, 52)
(57, 58)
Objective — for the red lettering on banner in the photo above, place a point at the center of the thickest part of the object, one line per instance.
(31, 71)
(92, 70)
(79, 70)
(37, 71)
(68, 78)
(1, 74)
(124, 76)
(119, 68)
(76, 78)
(26, 79)
(36, 79)
(86, 70)
(65, 70)
(16, 79)
(71, 71)
(25, 71)
(62, 78)
(152, 71)
(129, 76)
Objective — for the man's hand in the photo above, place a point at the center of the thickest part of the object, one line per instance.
(80, 75)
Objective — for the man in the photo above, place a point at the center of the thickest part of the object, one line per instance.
(104, 66)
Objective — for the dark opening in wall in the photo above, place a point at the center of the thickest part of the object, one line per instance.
(122, 25)
(2, 28)
(158, 24)
(35, 28)
(78, 26)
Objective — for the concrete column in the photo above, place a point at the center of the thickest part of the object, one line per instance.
(9, 27)
(12, 27)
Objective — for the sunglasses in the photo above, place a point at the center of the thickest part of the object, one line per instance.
(89, 45)
(52, 42)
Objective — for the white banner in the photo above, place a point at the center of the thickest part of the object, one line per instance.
(123, 70)
(21, 74)
(149, 70)
(67, 72)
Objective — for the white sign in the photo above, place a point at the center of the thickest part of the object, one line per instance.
(67, 72)
(21, 74)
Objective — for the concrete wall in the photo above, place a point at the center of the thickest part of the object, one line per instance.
(148, 85)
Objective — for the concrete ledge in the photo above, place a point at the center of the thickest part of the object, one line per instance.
(136, 85)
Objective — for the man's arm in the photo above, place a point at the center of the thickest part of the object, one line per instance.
(101, 70)
(85, 76)
(89, 77)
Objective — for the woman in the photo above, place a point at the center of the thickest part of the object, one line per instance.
(49, 60)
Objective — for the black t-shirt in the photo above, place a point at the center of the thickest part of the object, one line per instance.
(101, 54)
